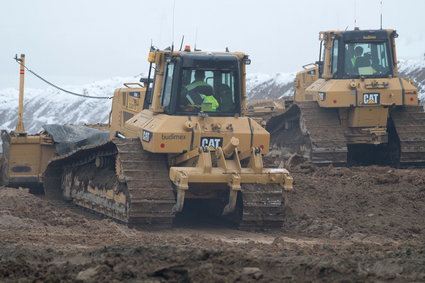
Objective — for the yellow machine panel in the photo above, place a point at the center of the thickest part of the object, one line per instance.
(368, 117)
(160, 134)
(25, 156)
(125, 104)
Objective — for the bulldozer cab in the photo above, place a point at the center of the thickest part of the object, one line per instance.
(201, 83)
(185, 86)
(357, 54)
(356, 68)
(197, 99)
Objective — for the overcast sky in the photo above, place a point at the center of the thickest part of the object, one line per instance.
(78, 41)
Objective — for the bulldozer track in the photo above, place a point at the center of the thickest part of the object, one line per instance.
(263, 207)
(326, 134)
(136, 189)
(315, 133)
(71, 206)
(150, 190)
(409, 122)
(136, 192)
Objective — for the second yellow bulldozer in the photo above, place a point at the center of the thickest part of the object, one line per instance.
(352, 107)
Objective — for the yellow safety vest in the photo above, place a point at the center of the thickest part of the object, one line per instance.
(211, 99)
(193, 85)
(206, 98)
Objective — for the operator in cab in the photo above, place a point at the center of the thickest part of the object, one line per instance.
(364, 63)
(358, 52)
(200, 94)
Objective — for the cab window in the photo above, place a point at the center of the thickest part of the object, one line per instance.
(366, 59)
(167, 84)
(212, 91)
(334, 58)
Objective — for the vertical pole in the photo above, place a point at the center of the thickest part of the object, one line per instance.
(20, 124)
(355, 13)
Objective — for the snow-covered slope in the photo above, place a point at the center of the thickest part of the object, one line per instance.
(415, 70)
(269, 86)
(49, 105)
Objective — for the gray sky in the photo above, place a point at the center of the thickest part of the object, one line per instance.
(78, 41)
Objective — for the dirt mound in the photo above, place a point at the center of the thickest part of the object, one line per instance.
(161, 262)
(361, 201)
(352, 224)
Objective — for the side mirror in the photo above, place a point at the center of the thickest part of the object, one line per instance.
(320, 64)
(144, 81)
(246, 60)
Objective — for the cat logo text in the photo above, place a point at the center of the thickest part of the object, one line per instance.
(370, 98)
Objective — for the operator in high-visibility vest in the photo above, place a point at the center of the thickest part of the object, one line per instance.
(358, 52)
(199, 92)
(362, 62)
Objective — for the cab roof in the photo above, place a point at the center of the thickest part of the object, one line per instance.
(209, 60)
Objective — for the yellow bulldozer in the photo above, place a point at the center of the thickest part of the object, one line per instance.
(180, 135)
(351, 107)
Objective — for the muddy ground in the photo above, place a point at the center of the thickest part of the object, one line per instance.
(364, 224)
